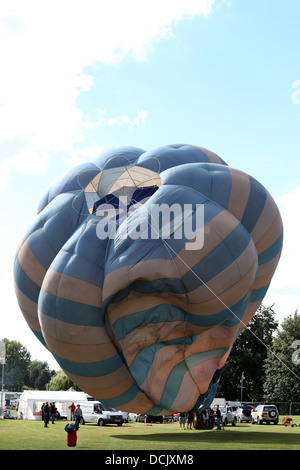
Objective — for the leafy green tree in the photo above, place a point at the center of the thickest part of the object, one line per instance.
(17, 361)
(247, 357)
(38, 375)
(282, 367)
(60, 381)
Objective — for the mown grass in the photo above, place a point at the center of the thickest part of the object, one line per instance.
(31, 435)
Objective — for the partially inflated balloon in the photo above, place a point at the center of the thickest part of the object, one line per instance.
(141, 269)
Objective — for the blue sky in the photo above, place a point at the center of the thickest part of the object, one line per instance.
(78, 77)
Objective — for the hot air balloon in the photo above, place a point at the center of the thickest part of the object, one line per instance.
(140, 270)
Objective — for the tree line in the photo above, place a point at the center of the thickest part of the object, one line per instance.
(263, 365)
(21, 373)
(265, 361)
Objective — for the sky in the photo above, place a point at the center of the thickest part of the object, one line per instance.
(78, 77)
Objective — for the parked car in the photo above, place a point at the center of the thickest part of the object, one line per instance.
(243, 414)
(149, 419)
(265, 413)
(128, 416)
(96, 412)
(228, 415)
(125, 415)
(153, 419)
(168, 418)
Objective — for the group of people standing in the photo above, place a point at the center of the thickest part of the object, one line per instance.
(186, 419)
(48, 410)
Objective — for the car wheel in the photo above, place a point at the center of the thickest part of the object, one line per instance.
(101, 422)
(234, 422)
(82, 421)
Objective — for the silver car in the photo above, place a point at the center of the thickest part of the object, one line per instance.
(228, 415)
(265, 413)
(243, 414)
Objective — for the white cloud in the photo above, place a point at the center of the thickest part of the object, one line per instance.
(45, 46)
(82, 155)
(29, 161)
(285, 285)
(121, 120)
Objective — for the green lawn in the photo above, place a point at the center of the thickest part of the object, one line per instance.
(31, 435)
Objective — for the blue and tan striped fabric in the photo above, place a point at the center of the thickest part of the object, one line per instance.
(140, 320)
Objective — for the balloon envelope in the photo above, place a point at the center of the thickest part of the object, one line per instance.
(140, 270)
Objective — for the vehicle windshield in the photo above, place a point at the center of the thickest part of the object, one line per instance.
(106, 408)
(270, 407)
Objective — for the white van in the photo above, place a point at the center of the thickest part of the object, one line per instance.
(96, 412)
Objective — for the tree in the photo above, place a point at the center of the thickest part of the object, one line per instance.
(60, 381)
(20, 372)
(38, 375)
(17, 362)
(247, 356)
(282, 368)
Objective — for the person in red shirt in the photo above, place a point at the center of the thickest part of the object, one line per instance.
(72, 408)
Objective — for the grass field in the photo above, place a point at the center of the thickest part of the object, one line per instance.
(31, 435)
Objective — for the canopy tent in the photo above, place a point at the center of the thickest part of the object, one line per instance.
(31, 401)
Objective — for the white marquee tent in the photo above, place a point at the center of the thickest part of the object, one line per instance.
(31, 401)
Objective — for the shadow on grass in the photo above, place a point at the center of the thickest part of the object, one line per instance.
(214, 437)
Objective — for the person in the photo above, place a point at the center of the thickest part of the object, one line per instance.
(72, 408)
(42, 410)
(222, 423)
(9, 415)
(21, 416)
(182, 421)
(190, 420)
(219, 417)
(286, 421)
(78, 415)
(52, 411)
(46, 411)
(204, 416)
